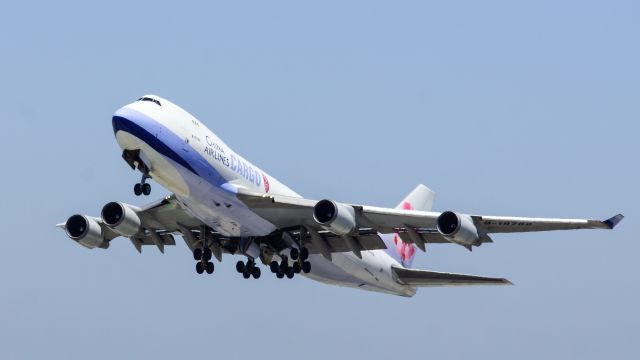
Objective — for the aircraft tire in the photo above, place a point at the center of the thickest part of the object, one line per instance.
(256, 272)
(197, 254)
(304, 254)
(294, 253)
(209, 267)
(137, 189)
(240, 267)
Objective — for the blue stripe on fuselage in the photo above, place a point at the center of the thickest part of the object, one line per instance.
(168, 143)
(126, 125)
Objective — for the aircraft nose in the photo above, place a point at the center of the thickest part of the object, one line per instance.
(127, 120)
(120, 120)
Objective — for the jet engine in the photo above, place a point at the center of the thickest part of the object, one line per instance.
(338, 218)
(121, 218)
(86, 231)
(458, 228)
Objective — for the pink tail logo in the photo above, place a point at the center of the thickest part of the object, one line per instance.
(406, 251)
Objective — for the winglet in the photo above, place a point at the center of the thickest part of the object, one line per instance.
(612, 222)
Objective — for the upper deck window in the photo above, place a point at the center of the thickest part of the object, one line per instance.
(150, 99)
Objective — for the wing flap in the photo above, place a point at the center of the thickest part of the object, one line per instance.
(337, 244)
(426, 278)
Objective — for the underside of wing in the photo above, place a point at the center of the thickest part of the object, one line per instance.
(344, 222)
(504, 224)
(425, 278)
(167, 214)
(153, 225)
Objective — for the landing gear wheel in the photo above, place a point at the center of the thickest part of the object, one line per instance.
(240, 267)
(296, 268)
(294, 253)
(290, 273)
(306, 267)
(304, 254)
(246, 274)
(146, 189)
(209, 267)
(274, 267)
(137, 189)
(199, 268)
(284, 266)
(256, 272)
(206, 254)
(197, 254)
(280, 275)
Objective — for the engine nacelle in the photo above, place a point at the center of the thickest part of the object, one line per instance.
(121, 218)
(85, 231)
(458, 228)
(338, 218)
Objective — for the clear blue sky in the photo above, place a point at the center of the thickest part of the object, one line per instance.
(502, 108)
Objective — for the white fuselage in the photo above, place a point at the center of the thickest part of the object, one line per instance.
(188, 159)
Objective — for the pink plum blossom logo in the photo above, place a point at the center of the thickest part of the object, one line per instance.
(406, 251)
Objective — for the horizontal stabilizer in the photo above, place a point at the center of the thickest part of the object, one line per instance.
(425, 278)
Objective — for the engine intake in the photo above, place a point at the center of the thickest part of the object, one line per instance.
(121, 218)
(85, 231)
(458, 228)
(338, 218)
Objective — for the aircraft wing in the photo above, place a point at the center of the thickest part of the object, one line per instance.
(160, 221)
(503, 224)
(418, 227)
(163, 219)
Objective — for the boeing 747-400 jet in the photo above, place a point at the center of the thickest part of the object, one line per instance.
(223, 204)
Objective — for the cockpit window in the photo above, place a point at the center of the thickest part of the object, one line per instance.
(150, 99)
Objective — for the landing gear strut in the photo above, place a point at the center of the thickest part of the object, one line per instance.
(132, 157)
(203, 258)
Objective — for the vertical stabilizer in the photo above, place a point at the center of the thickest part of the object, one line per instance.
(421, 198)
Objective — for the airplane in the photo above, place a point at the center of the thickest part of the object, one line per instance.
(223, 204)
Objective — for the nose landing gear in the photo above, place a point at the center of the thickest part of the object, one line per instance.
(143, 187)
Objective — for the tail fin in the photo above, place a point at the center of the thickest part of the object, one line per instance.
(421, 198)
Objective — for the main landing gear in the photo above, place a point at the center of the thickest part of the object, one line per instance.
(203, 258)
(301, 264)
(248, 269)
(143, 187)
